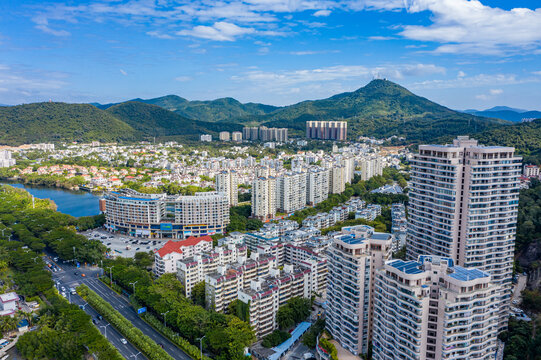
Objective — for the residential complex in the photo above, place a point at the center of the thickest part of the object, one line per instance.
(224, 136)
(193, 269)
(327, 130)
(434, 309)
(166, 258)
(265, 134)
(166, 216)
(353, 259)
(227, 183)
(463, 205)
(223, 285)
(371, 168)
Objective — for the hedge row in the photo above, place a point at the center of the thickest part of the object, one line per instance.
(144, 343)
(329, 347)
(190, 349)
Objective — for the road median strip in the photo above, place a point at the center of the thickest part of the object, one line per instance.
(135, 336)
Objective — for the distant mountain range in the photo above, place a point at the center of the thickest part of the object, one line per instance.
(381, 109)
(506, 113)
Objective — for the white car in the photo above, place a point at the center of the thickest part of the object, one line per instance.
(123, 341)
(64, 294)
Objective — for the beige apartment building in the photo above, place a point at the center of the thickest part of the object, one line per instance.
(433, 309)
(463, 205)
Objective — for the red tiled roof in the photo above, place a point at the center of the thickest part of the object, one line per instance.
(176, 246)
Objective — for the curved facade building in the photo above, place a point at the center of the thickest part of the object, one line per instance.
(166, 216)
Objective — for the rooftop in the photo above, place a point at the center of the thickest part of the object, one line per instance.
(464, 274)
(409, 267)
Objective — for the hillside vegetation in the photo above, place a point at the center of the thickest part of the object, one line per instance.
(53, 122)
(223, 109)
(525, 137)
(382, 109)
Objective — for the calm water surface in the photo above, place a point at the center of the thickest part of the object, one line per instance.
(74, 203)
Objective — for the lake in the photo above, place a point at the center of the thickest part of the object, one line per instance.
(74, 203)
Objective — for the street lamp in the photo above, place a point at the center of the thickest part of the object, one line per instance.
(135, 355)
(83, 306)
(111, 273)
(201, 345)
(164, 321)
(105, 329)
(133, 283)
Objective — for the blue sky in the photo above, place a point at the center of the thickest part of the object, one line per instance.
(460, 53)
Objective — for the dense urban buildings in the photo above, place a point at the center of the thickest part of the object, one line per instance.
(228, 184)
(371, 167)
(434, 309)
(166, 216)
(236, 136)
(317, 185)
(352, 261)
(264, 133)
(206, 137)
(327, 130)
(463, 205)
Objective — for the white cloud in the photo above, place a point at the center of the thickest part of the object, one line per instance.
(480, 80)
(220, 31)
(468, 26)
(183, 78)
(322, 13)
(337, 73)
(496, 91)
(159, 35)
(461, 74)
(537, 73)
(21, 84)
(123, 72)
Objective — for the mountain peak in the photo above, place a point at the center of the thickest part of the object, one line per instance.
(383, 86)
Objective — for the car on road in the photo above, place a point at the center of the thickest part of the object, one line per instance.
(64, 294)
(83, 275)
(100, 317)
(123, 341)
(63, 289)
(76, 273)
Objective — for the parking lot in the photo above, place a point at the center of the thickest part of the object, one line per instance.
(123, 245)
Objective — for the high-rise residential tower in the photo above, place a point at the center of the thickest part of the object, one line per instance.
(463, 205)
(227, 183)
(264, 198)
(433, 309)
(291, 192)
(352, 261)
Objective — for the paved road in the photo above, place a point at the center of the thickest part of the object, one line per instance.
(67, 279)
(119, 303)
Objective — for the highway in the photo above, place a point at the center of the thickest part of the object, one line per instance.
(68, 279)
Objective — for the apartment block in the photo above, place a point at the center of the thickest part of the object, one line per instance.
(165, 259)
(291, 192)
(337, 179)
(463, 205)
(265, 295)
(227, 183)
(317, 185)
(327, 130)
(371, 168)
(352, 260)
(221, 287)
(192, 270)
(236, 136)
(264, 198)
(225, 136)
(434, 309)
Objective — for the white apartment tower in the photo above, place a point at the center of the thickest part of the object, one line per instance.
(352, 260)
(463, 205)
(291, 192)
(227, 183)
(317, 185)
(264, 198)
(433, 309)
(371, 168)
(337, 179)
